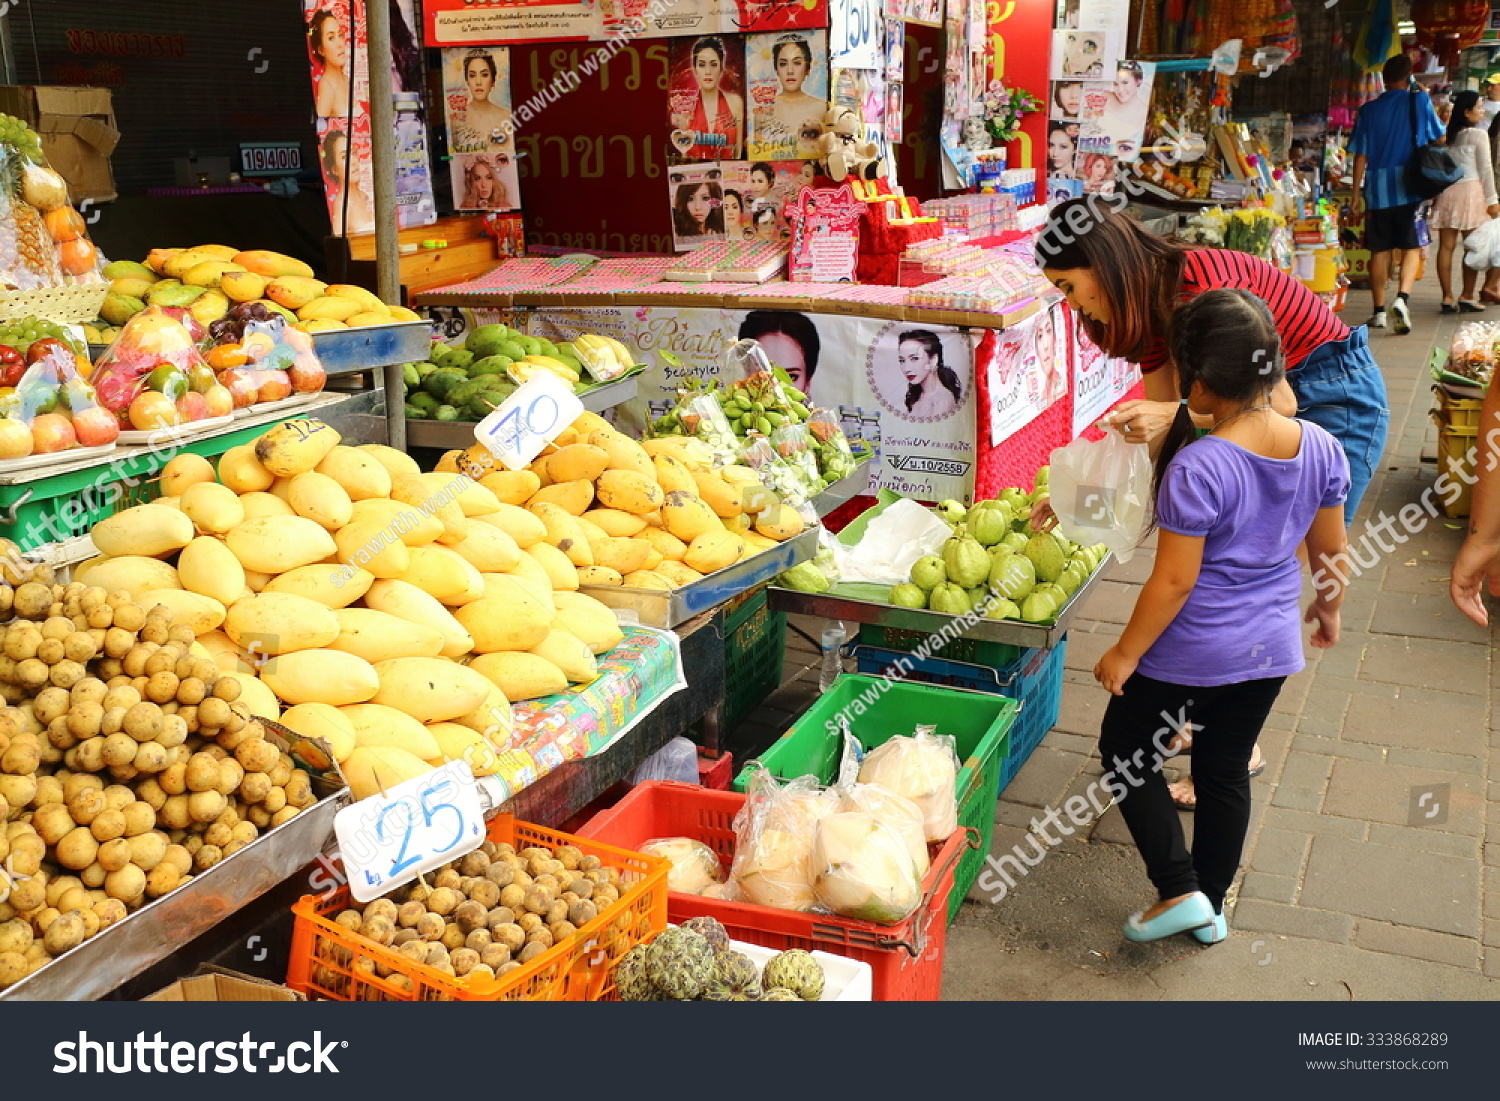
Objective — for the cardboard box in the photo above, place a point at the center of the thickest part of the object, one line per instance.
(78, 131)
(215, 984)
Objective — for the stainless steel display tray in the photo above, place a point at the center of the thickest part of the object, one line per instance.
(669, 608)
(845, 489)
(342, 351)
(1035, 636)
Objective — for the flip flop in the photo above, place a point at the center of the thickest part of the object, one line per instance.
(1190, 807)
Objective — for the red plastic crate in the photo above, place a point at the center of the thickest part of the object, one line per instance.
(907, 958)
(716, 772)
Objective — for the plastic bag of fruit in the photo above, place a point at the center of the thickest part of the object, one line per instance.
(46, 403)
(270, 359)
(835, 456)
(789, 480)
(152, 376)
(701, 417)
(794, 443)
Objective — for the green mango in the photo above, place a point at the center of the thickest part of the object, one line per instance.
(511, 349)
(908, 595)
(441, 381)
(966, 561)
(425, 368)
(1003, 609)
(477, 408)
(805, 577)
(928, 572)
(424, 401)
(409, 376)
(949, 598)
(489, 365)
(415, 413)
(484, 340)
(445, 413)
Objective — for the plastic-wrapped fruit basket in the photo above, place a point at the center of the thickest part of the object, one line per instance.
(331, 963)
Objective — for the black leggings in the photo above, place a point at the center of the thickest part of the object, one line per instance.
(1226, 722)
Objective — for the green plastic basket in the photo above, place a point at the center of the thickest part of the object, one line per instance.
(754, 645)
(53, 509)
(978, 722)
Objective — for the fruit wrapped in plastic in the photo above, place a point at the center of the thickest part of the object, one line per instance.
(152, 376)
(54, 404)
(251, 338)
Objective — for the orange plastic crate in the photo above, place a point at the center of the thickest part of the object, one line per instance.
(331, 963)
(907, 958)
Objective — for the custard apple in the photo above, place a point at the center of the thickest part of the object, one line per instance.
(631, 981)
(794, 970)
(680, 963)
(779, 994)
(710, 929)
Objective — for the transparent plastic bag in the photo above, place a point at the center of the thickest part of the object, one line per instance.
(695, 867)
(762, 397)
(272, 360)
(862, 868)
(677, 760)
(152, 375)
(1101, 492)
(835, 456)
(1482, 247)
(924, 769)
(702, 418)
(774, 839)
(794, 444)
(788, 480)
(52, 406)
(896, 811)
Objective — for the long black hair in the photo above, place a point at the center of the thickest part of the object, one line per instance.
(1458, 122)
(1227, 340)
(934, 348)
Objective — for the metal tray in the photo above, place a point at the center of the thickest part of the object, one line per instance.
(1033, 636)
(346, 350)
(669, 608)
(607, 395)
(845, 489)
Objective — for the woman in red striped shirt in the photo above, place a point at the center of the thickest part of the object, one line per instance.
(1125, 282)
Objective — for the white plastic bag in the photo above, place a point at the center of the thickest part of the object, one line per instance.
(774, 837)
(892, 542)
(1482, 247)
(1101, 492)
(677, 760)
(695, 867)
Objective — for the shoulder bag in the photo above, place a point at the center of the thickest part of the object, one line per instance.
(1432, 169)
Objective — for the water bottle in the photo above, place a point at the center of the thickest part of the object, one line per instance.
(833, 662)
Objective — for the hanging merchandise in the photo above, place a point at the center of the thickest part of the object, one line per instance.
(1114, 114)
(481, 129)
(788, 78)
(706, 97)
(697, 195)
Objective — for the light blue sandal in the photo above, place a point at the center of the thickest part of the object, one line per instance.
(1193, 912)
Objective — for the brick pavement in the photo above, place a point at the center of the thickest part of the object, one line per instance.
(1353, 885)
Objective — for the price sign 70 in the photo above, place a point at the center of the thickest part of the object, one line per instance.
(391, 838)
(529, 420)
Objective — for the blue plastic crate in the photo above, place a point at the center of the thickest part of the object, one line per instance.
(1035, 678)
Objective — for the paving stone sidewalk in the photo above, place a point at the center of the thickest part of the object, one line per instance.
(1372, 868)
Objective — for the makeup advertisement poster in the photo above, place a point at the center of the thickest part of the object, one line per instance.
(1099, 380)
(825, 235)
(477, 106)
(1084, 55)
(788, 77)
(1062, 148)
(1016, 381)
(1066, 103)
(895, 108)
(769, 187)
(1114, 113)
(706, 97)
(697, 195)
(464, 23)
(739, 223)
(917, 379)
(929, 13)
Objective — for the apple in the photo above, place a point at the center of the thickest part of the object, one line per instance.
(152, 410)
(52, 432)
(15, 439)
(274, 385)
(95, 427)
(242, 387)
(219, 400)
(307, 377)
(192, 406)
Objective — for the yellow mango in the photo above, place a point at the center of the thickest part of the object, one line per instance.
(487, 548)
(677, 573)
(713, 551)
(379, 636)
(572, 497)
(327, 308)
(261, 503)
(296, 291)
(665, 544)
(629, 491)
(624, 453)
(321, 676)
(569, 653)
(493, 718)
(182, 471)
(577, 462)
(429, 689)
(295, 447)
(512, 487)
(563, 533)
(504, 624)
(671, 474)
(209, 568)
(647, 579)
(622, 555)
(592, 531)
(279, 623)
(472, 498)
(382, 725)
(374, 548)
(586, 424)
(256, 695)
(321, 499)
(368, 318)
(272, 265)
(395, 462)
(520, 675)
(152, 531)
(561, 572)
(687, 516)
(781, 523)
(319, 720)
(373, 770)
(242, 471)
(613, 521)
(212, 508)
(720, 496)
(443, 575)
(459, 743)
(243, 286)
(598, 575)
(275, 544)
(332, 585)
(408, 523)
(193, 610)
(406, 601)
(361, 474)
(526, 528)
(530, 573)
(413, 489)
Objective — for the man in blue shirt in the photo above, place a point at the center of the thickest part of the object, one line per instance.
(1383, 142)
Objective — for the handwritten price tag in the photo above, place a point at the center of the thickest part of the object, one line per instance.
(529, 420)
(854, 28)
(390, 839)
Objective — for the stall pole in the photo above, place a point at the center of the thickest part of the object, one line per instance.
(383, 160)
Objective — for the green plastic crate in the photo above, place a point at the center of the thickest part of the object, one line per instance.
(978, 722)
(52, 509)
(754, 645)
(974, 650)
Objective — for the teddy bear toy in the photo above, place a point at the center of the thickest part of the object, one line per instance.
(843, 152)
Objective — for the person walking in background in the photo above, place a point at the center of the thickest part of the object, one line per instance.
(1215, 631)
(1491, 102)
(1478, 560)
(1466, 205)
(1382, 143)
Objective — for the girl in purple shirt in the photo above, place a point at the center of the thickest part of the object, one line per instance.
(1215, 631)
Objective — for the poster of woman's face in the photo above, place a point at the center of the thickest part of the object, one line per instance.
(788, 88)
(706, 97)
(1049, 332)
(336, 50)
(1097, 171)
(1062, 148)
(1067, 100)
(920, 374)
(347, 176)
(476, 104)
(1115, 112)
(485, 181)
(697, 194)
(1084, 54)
